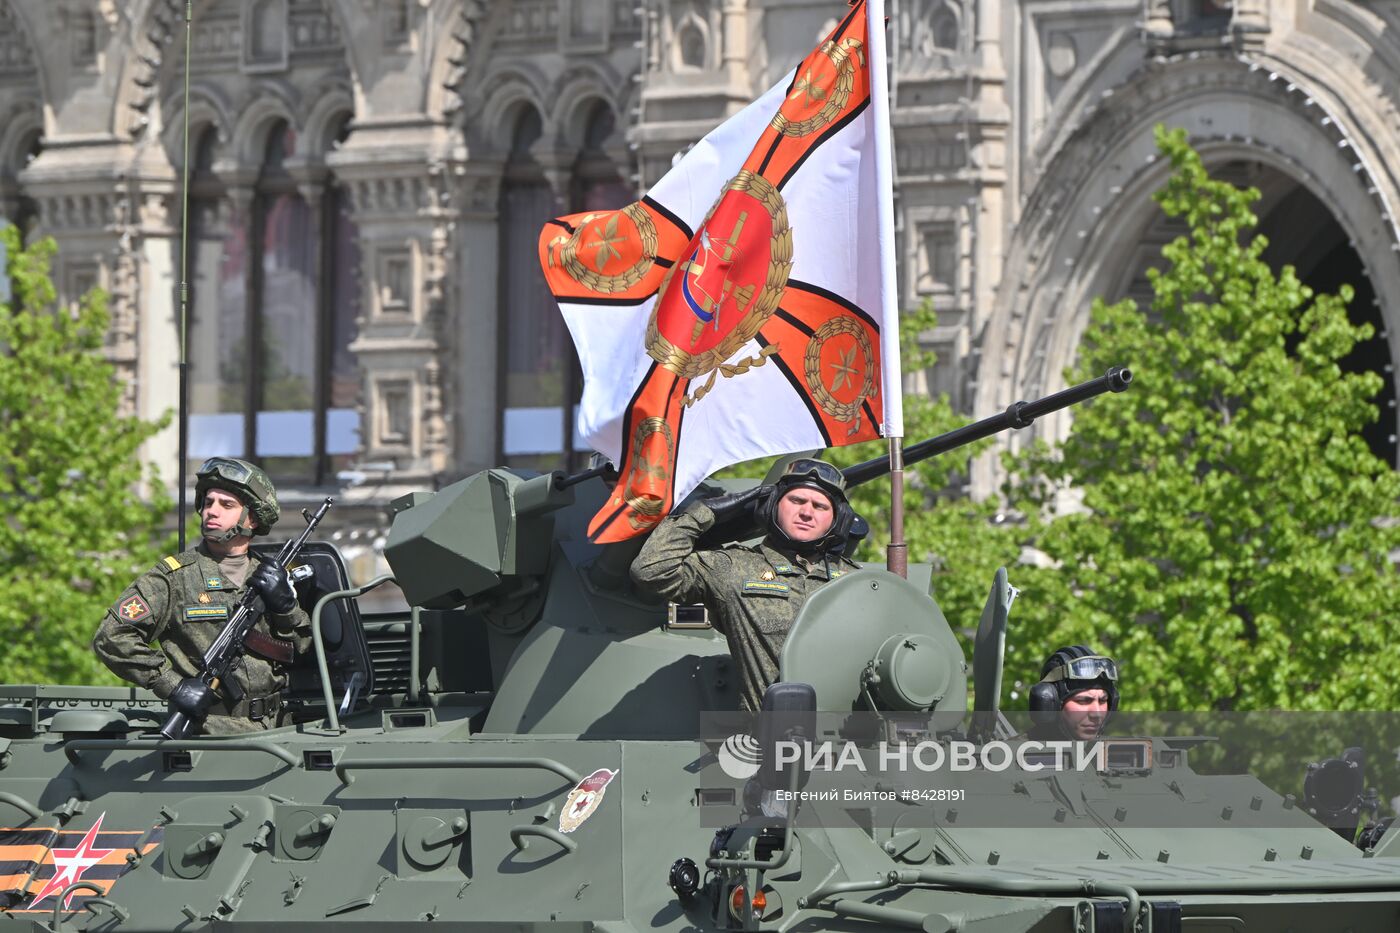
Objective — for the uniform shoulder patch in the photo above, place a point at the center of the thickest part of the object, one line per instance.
(132, 608)
(171, 563)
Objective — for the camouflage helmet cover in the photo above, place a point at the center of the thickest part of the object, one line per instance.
(246, 481)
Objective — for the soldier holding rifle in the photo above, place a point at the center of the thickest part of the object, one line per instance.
(186, 600)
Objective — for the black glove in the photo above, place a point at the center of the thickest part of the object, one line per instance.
(736, 504)
(193, 697)
(275, 588)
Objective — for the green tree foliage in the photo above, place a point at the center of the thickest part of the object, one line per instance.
(1233, 546)
(76, 530)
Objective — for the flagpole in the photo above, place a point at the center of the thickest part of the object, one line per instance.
(892, 383)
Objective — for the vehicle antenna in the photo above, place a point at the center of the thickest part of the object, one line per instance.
(184, 372)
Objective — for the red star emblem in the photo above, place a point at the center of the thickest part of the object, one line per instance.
(70, 864)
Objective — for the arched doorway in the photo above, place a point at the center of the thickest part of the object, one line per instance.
(1304, 233)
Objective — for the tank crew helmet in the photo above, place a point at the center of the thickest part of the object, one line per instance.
(249, 484)
(824, 478)
(1068, 671)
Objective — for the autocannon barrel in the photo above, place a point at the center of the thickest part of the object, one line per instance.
(1017, 415)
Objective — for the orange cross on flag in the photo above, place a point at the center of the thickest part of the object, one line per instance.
(738, 310)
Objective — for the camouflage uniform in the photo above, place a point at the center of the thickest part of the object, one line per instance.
(752, 593)
(184, 602)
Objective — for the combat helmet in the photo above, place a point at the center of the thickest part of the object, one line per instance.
(824, 478)
(246, 481)
(1070, 670)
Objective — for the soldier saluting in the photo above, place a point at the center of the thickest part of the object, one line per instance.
(186, 599)
(753, 593)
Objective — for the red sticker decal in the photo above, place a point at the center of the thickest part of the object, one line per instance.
(584, 799)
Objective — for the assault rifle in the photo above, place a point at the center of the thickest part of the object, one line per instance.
(232, 642)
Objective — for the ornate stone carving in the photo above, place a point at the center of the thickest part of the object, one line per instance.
(482, 195)
(16, 56)
(78, 23)
(405, 204)
(532, 20)
(124, 292)
(149, 48)
(311, 27)
(463, 35)
(926, 156)
(389, 196)
(1250, 23)
(1156, 21)
(77, 212)
(1061, 54)
(437, 446)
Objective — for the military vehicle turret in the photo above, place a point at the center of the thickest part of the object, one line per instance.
(536, 747)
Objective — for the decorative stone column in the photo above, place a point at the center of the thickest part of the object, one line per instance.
(403, 206)
(989, 38)
(119, 231)
(734, 44)
(477, 322)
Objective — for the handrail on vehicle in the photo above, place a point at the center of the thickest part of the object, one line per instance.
(72, 748)
(1089, 887)
(19, 803)
(332, 714)
(518, 834)
(344, 766)
(118, 911)
(1094, 887)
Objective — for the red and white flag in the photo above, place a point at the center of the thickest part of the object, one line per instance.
(739, 309)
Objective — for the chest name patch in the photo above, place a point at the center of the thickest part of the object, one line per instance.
(767, 587)
(205, 613)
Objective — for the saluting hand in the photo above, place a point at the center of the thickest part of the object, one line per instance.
(736, 504)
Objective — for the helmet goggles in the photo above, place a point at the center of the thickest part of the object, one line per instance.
(245, 480)
(225, 469)
(819, 470)
(1092, 667)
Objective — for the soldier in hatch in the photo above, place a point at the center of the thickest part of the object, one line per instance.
(185, 601)
(1076, 695)
(753, 593)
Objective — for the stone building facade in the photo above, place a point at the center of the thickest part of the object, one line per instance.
(368, 179)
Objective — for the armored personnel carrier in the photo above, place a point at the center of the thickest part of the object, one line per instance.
(534, 746)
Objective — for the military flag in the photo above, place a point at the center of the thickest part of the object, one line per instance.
(738, 309)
